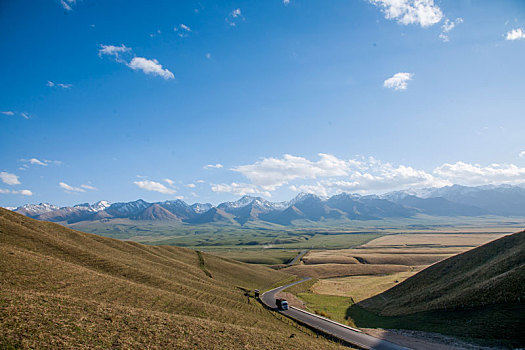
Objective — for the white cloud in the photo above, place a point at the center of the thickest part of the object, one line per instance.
(515, 34)
(22, 192)
(66, 4)
(234, 16)
(185, 27)
(154, 186)
(239, 189)
(317, 189)
(236, 13)
(475, 174)
(522, 154)
(137, 63)
(286, 2)
(69, 188)
(147, 66)
(159, 32)
(362, 175)
(63, 86)
(213, 166)
(112, 50)
(191, 185)
(271, 173)
(447, 27)
(183, 30)
(169, 182)
(36, 161)
(88, 187)
(8, 178)
(150, 67)
(398, 81)
(422, 12)
(24, 115)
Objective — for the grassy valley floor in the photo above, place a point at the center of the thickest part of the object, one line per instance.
(345, 277)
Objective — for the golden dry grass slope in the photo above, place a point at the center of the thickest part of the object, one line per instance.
(61, 288)
(493, 273)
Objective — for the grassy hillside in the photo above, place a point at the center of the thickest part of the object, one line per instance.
(486, 283)
(61, 288)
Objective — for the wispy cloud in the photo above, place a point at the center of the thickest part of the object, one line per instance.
(43, 162)
(22, 192)
(515, 34)
(63, 86)
(8, 178)
(115, 51)
(145, 65)
(447, 27)
(286, 2)
(213, 166)
(72, 189)
(182, 30)
(191, 185)
(152, 67)
(36, 161)
(67, 4)
(69, 188)
(329, 175)
(475, 174)
(158, 32)
(399, 81)
(234, 17)
(154, 186)
(239, 189)
(24, 115)
(208, 55)
(423, 12)
(522, 154)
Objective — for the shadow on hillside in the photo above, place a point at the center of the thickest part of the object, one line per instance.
(494, 325)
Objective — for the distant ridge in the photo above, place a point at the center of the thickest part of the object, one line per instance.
(486, 283)
(447, 201)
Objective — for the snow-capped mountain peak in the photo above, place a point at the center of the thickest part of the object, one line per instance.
(201, 207)
(36, 209)
(100, 205)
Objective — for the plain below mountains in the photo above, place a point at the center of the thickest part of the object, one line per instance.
(447, 201)
(476, 294)
(64, 289)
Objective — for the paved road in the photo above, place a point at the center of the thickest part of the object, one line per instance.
(338, 330)
(297, 257)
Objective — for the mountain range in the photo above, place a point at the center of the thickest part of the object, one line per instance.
(453, 200)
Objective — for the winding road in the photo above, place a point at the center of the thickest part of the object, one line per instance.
(338, 330)
(298, 257)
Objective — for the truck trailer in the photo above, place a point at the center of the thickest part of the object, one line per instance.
(282, 304)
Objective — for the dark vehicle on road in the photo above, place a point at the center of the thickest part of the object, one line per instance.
(282, 304)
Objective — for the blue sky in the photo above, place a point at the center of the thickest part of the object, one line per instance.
(121, 100)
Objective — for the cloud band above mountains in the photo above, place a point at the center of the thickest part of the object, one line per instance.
(329, 175)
